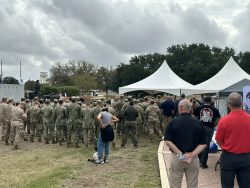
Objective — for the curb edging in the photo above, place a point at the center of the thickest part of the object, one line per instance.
(162, 166)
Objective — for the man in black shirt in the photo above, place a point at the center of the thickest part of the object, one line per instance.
(185, 137)
(167, 109)
(208, 115)
(130, 115)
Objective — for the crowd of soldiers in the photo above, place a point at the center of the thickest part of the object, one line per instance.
(72, 121)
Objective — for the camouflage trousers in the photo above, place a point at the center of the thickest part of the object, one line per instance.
(73, 128)
(36, 129)
(2, 129)
(89, 136)
(154, 127)
(7, 132)
(17, 133)
(48, 131)
(139, 128)
(120, 127)
(60, 128)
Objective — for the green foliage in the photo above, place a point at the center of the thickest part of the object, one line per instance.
(69, 90)
(85, 82)
(47, 89)
(29, 85)
(9, 80)
(83, 75)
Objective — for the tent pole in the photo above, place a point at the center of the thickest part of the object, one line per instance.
(180, 91)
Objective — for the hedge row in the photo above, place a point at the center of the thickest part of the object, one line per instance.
(69, 90)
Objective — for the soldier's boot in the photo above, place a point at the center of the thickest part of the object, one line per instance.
(15, 147)
(77, 145)
(6, 142)
(68, 145)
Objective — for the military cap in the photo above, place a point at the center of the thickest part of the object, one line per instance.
(60, 100)
(129, 97)
(10, 99)
(47, 101)
(55, 100)
(27, 100)
(36, 98)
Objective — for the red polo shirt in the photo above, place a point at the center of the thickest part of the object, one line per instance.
(234, 132)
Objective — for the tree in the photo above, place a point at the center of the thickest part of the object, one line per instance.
(84, 82)
(9, 80)
(29, 85)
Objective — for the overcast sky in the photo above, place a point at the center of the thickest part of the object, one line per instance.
(40, 33)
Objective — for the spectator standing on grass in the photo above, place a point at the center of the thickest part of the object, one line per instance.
(208, 115)
(233, 137)
(105, 118)
(130, 116)
(48, 125)
(152, 117)
(3, 114)
(185, 138)
(17, 126)
(167, 110)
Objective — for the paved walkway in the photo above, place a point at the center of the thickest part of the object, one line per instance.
(208, 178)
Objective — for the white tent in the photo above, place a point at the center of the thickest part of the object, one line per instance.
(163, 80)
(230, 74)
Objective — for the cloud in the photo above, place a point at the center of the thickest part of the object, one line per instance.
(40, 33)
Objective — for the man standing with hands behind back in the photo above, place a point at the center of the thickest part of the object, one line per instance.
(233, 137)
(185, 137)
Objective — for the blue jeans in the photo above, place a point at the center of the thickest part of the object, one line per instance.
(102, 145)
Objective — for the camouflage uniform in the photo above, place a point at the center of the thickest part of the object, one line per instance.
(88, 125)
(48, 126)
(17, 129)
(96, 110)
(3, 107)
(27, 120)
(8, 122)
(59, 115)
(74, 113)
(36, 122)
(118, 109)
(152, 115)
(139, 119)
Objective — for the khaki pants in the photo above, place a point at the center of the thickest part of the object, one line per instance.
(178, 168)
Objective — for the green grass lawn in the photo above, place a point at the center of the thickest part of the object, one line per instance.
(39, 165)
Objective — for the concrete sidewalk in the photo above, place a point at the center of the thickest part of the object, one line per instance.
(208, 178)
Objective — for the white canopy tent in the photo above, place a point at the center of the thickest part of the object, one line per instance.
(163, 80)
(230, 74)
